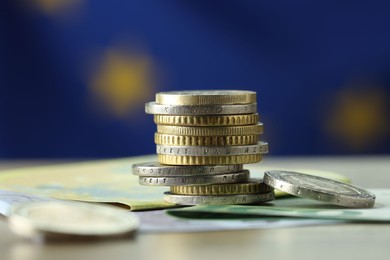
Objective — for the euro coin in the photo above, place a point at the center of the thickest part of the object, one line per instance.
(254, 198)
(155, 169)
(70, 219)
(158, 109)
(318, 188)
(223, 120)
(259, 148)
(251, 186)
(188, 140)
(195, 180)
(202, 97)
(208, 160)
(210, 131)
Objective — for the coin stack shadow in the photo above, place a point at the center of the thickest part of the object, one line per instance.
(203, 139)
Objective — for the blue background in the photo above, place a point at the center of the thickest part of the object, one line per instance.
(320, 68)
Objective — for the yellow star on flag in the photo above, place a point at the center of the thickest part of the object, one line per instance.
(358, 118)
(123, 80)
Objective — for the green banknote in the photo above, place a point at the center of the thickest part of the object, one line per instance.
(295, 207)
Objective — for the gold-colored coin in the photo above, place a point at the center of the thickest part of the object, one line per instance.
(226, 120)
(210, 131)
(186, 140)
(251, 186)
(208, 160)
(206, 97)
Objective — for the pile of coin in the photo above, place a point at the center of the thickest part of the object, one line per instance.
(203, 139)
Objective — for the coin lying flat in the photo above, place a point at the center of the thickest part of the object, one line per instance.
(223, 120)
(318, 188)
(219, 199)
(195, 180)
(251, 186)
(210, 131)
(154, 108)
(187, 140)
(155, 169)
(259, 148)
(208, 160)
(56, 219)
(200, 97)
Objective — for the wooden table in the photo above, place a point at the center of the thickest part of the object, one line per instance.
(342, 241)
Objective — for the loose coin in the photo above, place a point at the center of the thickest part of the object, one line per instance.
(155, 169)
(318, 188)
(219, 200)
(208, 160)
(188, 140)
(154, 108)
(251, 186)
(63, 219)
(210, 131)
(259, 148)
(223, 120)
(195, 180)
(201, 97)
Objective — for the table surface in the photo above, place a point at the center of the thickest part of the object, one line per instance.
(341, 241)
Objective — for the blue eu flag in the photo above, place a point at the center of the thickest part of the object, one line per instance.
(75, 74)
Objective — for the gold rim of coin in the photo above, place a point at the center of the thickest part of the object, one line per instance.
(60, 219)
(251, 186)
(208, 160)
(185, 140)
(227, 120)
(206, 97)
(210, 131)
(220, 199)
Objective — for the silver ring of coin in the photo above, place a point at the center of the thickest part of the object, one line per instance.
(195, 180)
(156, 169)
(259, 148)
(321, 189)
(219, 199)
(159, 109)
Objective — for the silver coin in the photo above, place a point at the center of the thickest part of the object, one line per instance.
(70, 219)
(155, 169)
(195, 180)
(219, 199)
(318, 188)
(259, 148)
(158, 109)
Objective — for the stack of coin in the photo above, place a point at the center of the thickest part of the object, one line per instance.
(203, 139)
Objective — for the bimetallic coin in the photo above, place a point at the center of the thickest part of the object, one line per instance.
(251, 186)
(318, 188)
(188, 140)
(201, 97)
(208, 160)
(224, 120)
(155, 169)
(64, 219)
(210, 131)
(154, 108)
(220, 199)
(195, 180)
(259, 148)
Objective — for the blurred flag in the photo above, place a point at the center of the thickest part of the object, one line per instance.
(75, 74)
